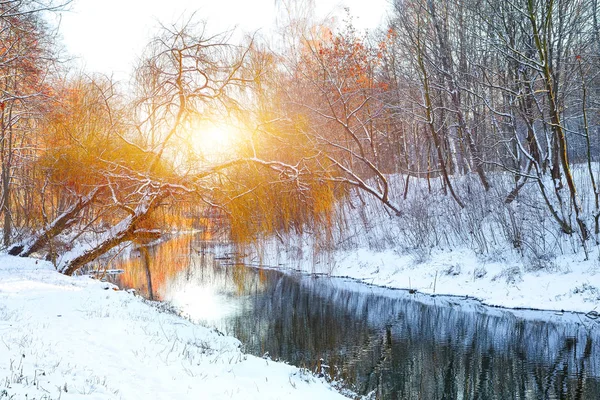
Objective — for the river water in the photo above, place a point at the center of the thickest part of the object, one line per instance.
(387, 343)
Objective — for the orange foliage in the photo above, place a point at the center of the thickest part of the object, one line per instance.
(345, 61)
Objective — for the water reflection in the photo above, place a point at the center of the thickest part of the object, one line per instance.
(385, 342)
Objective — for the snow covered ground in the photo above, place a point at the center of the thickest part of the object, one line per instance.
(572, 285)
(77, 338)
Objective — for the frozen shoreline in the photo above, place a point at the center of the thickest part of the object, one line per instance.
(571, 284)
(65, 337)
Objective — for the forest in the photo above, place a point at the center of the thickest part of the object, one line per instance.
(460, 123)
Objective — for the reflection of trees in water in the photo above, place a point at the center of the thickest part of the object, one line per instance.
(404, 349)
(419, 368)
(149, 268)
(392, 344)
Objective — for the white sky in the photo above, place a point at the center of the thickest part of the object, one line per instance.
(108, 35)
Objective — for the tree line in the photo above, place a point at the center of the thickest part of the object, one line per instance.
(486, 102)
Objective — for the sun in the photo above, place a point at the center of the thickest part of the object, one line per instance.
(215, 140)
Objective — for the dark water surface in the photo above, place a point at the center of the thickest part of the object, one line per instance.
(389, 343)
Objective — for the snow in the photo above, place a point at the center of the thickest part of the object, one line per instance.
(75, 337)
(461, 272)
(572, 284)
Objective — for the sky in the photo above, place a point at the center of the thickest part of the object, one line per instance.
(107, 36)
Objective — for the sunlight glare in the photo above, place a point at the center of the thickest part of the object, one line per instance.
(214, 140)
(202, 303)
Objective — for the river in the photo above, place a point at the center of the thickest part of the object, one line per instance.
(387, 343)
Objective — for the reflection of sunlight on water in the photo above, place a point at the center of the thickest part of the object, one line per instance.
(202, 303)
(192, 280)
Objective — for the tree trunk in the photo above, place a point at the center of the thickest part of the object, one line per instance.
(62, 222)
(556, 123)
(124, 231)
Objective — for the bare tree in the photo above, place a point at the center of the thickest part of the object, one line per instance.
(25, 54)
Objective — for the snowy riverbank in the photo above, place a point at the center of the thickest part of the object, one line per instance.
(567, 283)
(74, 337)
(570, 284)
